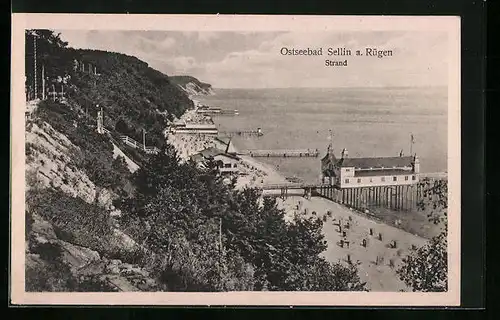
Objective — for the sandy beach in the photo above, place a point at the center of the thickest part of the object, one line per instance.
(381, 275)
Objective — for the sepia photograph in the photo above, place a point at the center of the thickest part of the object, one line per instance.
(254, 160)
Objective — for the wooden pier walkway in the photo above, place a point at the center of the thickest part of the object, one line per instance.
(289, 185)
(241, 133)
(434, 175)
(217, 112)
(285, 153)
(228, 113)
(399, 198)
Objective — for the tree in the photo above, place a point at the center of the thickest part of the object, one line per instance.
(122, 127)
(207, 236)
(49, 52)
(435, 200)
(426, 268)
(120, 166)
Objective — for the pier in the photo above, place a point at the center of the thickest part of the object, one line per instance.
(285, 187)
(285, 153)
(205, 110)
(434, 175)
(227, 113)
(394, 197)
(399, 198)
(247, 133)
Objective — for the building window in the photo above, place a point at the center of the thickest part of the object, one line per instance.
(394, 178)
(359, 180)
(346, 180)
(347, 170)
(406, 178)
(227, 165)
(235, 165)
(413, 177)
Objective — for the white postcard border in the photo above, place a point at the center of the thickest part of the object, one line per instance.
(20, 22)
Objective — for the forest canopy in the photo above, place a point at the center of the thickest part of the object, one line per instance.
(125, 87)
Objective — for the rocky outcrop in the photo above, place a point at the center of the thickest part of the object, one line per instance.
(192, 88)
(49, 164)
(191, 85)
(84, 262)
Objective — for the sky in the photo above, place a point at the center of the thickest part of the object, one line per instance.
(253, 59)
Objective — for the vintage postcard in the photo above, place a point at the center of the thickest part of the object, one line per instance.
(235, 160)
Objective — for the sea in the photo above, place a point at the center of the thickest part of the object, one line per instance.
(368, 122)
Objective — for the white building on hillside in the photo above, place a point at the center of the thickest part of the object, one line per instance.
(226, 163)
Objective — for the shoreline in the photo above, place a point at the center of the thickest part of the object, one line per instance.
(254, 172)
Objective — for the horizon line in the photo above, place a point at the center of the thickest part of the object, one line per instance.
(336, 87)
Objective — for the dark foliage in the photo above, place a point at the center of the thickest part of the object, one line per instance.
(426, 268)
(124, 86)
(434, 199)
(184, 215)
(50, 273)
(74, 220)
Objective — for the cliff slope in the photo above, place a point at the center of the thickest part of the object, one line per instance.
(191, 85)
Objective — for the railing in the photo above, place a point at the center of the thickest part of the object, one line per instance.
(151, 150)
(434, 175)
(131, 142)
(276, 186)
(134, 144)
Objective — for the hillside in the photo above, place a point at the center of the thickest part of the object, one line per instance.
(73, 177)
(131, 93)
(97, 221)
(191, 85)
(92, 224)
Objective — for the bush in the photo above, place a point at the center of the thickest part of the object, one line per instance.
(426, 268)
(73, 219)
(94, 284)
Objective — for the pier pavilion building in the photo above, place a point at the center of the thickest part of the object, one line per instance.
(365, 182)
(369, 172)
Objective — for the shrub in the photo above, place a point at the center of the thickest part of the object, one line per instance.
(73, 219)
